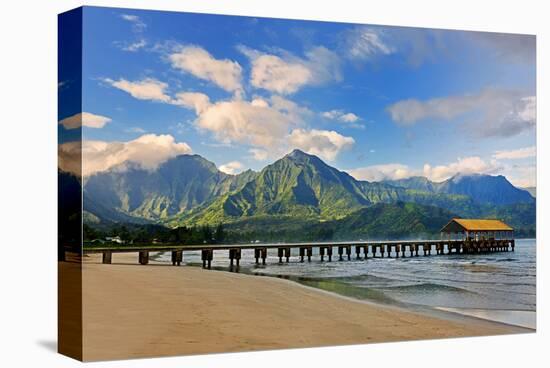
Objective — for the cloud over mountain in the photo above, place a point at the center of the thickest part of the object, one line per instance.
(147, 152)
(323, 143)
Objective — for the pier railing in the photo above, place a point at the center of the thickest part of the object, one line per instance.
(362, 249)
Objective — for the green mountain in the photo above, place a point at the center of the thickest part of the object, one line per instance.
(379, 221)
(483, 189)
(297, 185)
(392, 220)
(177, 186)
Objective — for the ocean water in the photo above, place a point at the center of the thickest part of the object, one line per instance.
(495, 286)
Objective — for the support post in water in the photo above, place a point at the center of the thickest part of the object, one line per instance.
(264, 255)
(177, 257)
(287, 254)
(234, 255)
(206, 256)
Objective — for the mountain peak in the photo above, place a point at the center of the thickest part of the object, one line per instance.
(296, 153)
(475, 176)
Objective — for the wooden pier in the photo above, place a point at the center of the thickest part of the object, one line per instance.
(363, 250)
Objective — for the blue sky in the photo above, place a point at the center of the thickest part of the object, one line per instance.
(378, 102)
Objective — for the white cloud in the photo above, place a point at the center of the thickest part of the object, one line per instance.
(272, 73)
(259, 154)
(260, 123)
(520, 175)
(340, 115)
(323, 143)
(192, 100)
(466, 165)
(285, 74)
(86, 119)
(363, 43)
(349, 118)
(391, 171)
(269, 126)
(145, 89)
(492, 112)
(437, 173)
(147, 152)
(197, 61)
(134, 46)
(516, 154)
(137, 24)
(255, 123)
(232, 168)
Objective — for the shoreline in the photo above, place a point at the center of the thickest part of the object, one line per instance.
(159, 310)
(382, 300)
(447, 313)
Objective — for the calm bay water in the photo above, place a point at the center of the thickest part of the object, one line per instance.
(497, 286)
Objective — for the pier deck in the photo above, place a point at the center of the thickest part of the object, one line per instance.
(361, 249)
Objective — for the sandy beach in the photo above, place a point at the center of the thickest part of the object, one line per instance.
(135, 311)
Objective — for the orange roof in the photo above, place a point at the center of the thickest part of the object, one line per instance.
(476, 225)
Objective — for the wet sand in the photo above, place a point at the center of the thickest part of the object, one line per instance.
(135, 311)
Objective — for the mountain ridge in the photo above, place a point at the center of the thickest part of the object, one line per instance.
(190, 190)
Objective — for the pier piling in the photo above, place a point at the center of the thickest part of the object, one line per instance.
(177, 257)
(287, 254)
(234, 255)
(143, 257)
(302, 254)
(206, 256)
